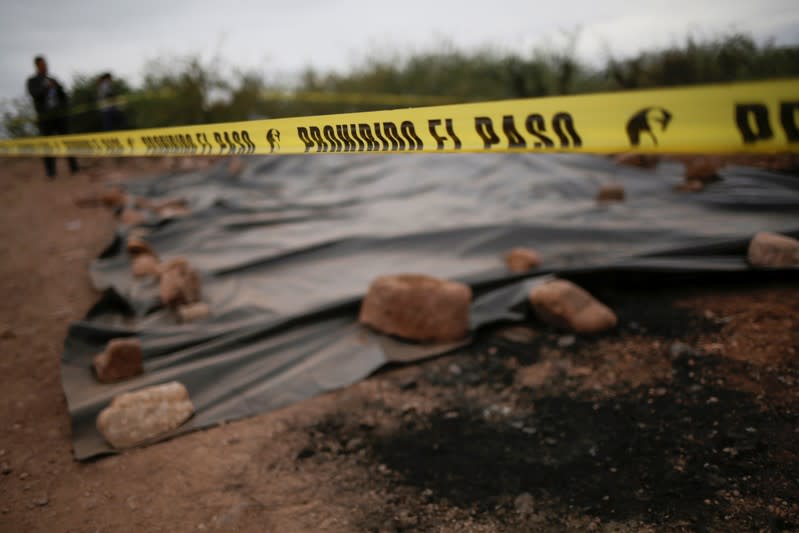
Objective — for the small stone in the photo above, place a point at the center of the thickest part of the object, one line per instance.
(131, 217)
(136, 245)
(524, 504)
(417, 307)
(563, 304)
(113, 198)
(6, 333)
(41, 502)
(678, 350)
(406, 520)
(520, 260)
(180, 283)
(166, 203)
(193, 312)
(122, 359)
(173, 212)
(691, 186)
(519, 334)
(713, 348)
(536, 375)
(610, 192)
(146, 265)
(6, 469)
(772, 250)
(353, 445)
(23, 476)
(566, 341)
(638, 160)
(701, 170)
(135, 417)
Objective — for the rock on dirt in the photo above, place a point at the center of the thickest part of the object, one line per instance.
(417, 307)
(564, 305)
(180, 283)
(122, 359)
(610, 192)
(773, 250)
(520, 260)
(136, 417)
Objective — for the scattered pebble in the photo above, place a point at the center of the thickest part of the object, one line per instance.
(679, 349)
(6, 469)
(41, 502)
(566, 341)
(524, 504)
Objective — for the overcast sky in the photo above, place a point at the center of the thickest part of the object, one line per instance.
(280, 38)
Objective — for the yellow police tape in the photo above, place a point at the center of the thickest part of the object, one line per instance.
(266, 95)
(733, 118)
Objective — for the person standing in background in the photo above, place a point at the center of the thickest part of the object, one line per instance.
(51, 105)
(111, 115)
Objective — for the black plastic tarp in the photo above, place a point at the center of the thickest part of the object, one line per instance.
(287, 248)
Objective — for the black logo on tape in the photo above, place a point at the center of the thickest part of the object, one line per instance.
(643, 121)
(273, 138)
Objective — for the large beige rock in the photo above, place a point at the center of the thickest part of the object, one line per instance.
(146, 265)
(563, 304)
(773, 250)
(122, 359)
(417, 307)
(180, 283)
(521, 260)
(136, 417)
(610, 192)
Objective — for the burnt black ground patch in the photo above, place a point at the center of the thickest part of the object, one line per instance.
(671, 452)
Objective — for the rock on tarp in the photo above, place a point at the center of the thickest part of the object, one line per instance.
(287, 246)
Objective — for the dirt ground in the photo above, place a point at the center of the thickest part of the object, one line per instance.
(685, 418)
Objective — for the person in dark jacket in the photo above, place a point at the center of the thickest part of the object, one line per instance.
(51, 105)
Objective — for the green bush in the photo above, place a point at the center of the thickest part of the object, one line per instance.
(187, 91)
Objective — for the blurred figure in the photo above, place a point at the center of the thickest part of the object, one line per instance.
(110, 113)
(51, 105)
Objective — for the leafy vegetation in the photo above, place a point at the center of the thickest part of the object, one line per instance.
(188, 91)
